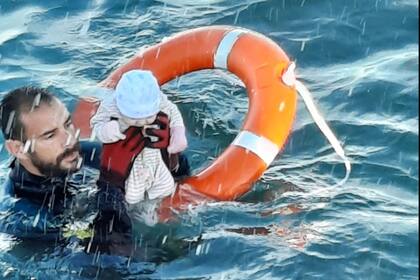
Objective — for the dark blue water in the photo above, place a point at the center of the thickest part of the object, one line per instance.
(360, 60)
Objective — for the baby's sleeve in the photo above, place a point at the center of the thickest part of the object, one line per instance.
(169, 108)
(101, 117)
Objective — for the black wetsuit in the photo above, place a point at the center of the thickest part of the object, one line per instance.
(37, 207)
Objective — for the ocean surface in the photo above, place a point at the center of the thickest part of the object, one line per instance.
(359, 58)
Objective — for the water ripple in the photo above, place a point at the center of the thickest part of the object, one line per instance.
(294, 224)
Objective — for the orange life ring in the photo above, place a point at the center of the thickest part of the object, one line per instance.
(260, 64)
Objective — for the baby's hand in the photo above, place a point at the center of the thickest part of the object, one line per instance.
(111, 133)
(178, 140)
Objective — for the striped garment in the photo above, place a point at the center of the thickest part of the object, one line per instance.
(149, 177)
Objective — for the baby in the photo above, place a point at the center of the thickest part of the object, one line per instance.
(136, 102)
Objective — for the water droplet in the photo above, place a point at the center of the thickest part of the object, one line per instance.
(236, 17)
(26, 146)
(364, 27)
(302, 47)
(125, 6)
(207, 249)
(79, 163)
(10, 122)
(92, 155)
(69, 137)
(85, 27)
(77, 134)
(36, 220)
(282, 106)
(157, 53)
(33, 145)
(198, 250)
(36, 102)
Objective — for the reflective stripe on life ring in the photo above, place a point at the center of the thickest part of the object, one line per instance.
(225, 47)
(262, 147)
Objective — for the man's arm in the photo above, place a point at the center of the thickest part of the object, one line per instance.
(23, 219)
(112, 225)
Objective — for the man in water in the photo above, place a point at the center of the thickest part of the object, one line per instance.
(48, 169)
(46, 173)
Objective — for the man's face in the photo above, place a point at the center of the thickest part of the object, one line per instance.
(53, 147)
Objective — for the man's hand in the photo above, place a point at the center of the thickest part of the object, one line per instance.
(117, 158)
(112, 225)
(162, 133)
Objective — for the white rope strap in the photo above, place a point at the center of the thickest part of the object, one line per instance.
(290, 80)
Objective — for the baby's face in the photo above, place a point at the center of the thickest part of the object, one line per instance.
(139, 122)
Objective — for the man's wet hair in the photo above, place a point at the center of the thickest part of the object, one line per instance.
(17, 102)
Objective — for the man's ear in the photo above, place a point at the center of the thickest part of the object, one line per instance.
(17, 149)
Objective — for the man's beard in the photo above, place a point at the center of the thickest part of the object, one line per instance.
(54, 169)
